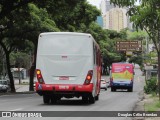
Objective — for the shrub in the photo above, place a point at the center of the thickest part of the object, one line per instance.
(151, 85)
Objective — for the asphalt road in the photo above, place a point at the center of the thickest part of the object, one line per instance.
(108, 101)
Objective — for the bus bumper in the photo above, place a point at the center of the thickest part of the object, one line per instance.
(42, 89)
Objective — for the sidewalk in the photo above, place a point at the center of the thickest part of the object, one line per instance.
(24, 86)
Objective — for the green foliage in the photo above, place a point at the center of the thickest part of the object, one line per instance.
(104, 45)
(20, 59)
(151, 85)
(136, 35)
(113, 34)
(97, 32)
(124, 2)
(153, 106)
(40, 19)
(136, 59)
(70, 15)
(151, 58)
(123, 34)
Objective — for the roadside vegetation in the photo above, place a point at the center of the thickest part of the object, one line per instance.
(151, 86)
(151, 102)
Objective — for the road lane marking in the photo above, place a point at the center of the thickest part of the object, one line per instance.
(18, 109)
(6, 95)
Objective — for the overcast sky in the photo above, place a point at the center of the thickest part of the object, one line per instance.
(95, 2)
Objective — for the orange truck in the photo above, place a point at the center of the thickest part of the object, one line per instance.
(122, 76)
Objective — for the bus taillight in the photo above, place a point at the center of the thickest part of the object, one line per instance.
(39, 76)
(88, 77)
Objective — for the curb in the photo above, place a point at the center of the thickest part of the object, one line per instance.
(25, 92)
(139, 106)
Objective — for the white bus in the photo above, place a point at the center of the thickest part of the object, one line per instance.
(68, 65)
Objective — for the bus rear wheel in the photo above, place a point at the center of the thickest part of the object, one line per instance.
(91, 99)
(46, 99)
(85, 99)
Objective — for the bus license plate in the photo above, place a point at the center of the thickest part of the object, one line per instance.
(64, 78)
(62, 87)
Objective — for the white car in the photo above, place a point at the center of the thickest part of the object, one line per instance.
(103, 84)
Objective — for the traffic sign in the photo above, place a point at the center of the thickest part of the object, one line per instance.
(129, 46)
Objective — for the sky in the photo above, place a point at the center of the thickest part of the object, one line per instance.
(95, 2)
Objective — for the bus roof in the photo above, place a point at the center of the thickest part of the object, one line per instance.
(70, 33)
(65, 33)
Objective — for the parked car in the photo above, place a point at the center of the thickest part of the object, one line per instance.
(103, 84)
(3, 88)
(4, 85)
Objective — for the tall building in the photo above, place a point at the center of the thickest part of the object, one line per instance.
(105, 6)
(117, 19)
(114, 18)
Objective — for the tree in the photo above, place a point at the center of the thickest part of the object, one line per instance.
(24, 24)
(70, 15)
(2, 63)
(136, 35)
(136, 59)
(7, 6)
(6, 20)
